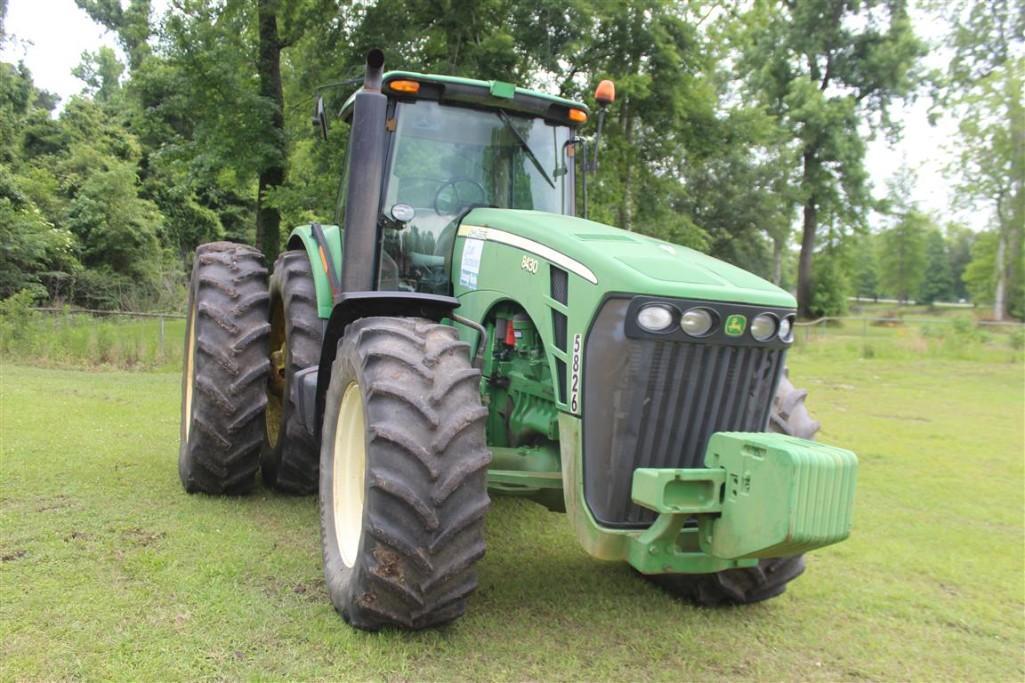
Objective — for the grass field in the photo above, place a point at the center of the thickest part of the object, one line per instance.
(108, 570)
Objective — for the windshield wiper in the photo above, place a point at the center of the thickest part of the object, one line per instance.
(526, 148)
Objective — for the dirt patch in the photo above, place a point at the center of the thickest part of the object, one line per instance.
(311, 591)
(76, 536)
(11, 557)
(61, 502)
(904, 418)
(141, 537)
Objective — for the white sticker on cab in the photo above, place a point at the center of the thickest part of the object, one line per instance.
(472, 250)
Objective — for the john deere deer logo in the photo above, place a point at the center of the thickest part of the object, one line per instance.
(735, 325)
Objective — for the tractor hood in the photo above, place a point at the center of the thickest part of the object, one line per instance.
(620, 261)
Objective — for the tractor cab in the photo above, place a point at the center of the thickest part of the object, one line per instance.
(455, 144)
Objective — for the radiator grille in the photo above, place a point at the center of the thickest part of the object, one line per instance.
(656, 403)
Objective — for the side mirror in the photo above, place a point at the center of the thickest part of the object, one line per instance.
(320, 117)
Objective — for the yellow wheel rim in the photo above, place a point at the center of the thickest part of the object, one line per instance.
(190, 372)
(277, 388)
(349, 473)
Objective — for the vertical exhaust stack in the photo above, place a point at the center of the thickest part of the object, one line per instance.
(366, 171)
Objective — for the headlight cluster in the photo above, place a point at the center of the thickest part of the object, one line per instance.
(700, 321)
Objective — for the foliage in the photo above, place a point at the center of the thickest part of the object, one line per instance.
(16, 316)
(831, 285)
(903, 258)
(984, 92)
(936, 280)
(732, 123)
(826, 69)
(980, 275)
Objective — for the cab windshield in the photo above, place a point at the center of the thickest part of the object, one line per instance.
(447, 160)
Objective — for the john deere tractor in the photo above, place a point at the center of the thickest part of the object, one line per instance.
(460, 332)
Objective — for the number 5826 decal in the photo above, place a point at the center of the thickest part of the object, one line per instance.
(574, 377)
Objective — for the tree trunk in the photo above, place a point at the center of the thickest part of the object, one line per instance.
(805, 286)
(272, 175)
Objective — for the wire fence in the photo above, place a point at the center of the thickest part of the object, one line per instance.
(162, 317)
(871, 326)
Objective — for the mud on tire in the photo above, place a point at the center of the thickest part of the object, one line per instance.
(769, 577)
(290, 456)
(420, 529)
(225, 370)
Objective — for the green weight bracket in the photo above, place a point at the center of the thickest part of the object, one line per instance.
(760, 495)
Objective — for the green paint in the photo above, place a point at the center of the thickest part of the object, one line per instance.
(757, 495)
(504, 90)
(735, 325)
(762, 495)
(487, 86)
(303, 235)
(783, 495)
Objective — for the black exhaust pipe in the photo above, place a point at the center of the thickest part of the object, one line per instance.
(366, 175)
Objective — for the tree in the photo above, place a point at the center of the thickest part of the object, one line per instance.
(101, 72)
(980, 276)
(131, 24)
(983, 91)
(903, 255)
(825, 69)
(937, 284)
(866, 267)
(959, 249)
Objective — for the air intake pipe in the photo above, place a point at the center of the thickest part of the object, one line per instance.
(366, 175)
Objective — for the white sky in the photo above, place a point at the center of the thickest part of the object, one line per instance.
(50, 36)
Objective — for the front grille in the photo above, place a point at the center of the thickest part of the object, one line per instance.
(651, 402)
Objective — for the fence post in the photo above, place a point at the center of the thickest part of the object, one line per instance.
(161, 336)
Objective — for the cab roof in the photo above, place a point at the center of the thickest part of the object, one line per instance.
(473, 92)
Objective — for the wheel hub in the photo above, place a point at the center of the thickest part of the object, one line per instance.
(349, 474)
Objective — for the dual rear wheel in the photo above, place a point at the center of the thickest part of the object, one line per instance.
(401, 466)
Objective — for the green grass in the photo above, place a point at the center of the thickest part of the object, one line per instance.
(110, 571)
(85, 341)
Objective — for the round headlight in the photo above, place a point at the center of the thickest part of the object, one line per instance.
(655, 318)
(763, 327)
(786, 326)
(697, 322)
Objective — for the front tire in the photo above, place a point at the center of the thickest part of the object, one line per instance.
(770, 576)
(225, 370)
(403, 489)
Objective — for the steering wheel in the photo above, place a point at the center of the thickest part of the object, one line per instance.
(452, 206)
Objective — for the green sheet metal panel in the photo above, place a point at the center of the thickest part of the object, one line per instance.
(332, 233)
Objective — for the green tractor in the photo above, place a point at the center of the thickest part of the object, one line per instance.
(460, 332)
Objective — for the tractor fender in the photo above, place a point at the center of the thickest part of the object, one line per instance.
(303, 237)
(355, 305)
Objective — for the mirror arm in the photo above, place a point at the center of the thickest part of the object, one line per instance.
(597, 138)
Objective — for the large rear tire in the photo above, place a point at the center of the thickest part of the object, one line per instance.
(403, 489)
(225, 370)
(770, 576)
(290, 457)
